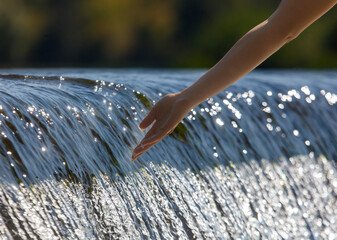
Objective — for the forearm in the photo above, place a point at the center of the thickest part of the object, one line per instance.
(252, 49)
(287, 22)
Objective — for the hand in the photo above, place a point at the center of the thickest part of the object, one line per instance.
(167, 113)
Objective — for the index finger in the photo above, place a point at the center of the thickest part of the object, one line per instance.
(154, 134)
(140, 149)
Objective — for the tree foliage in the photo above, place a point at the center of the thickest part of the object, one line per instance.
(148, 33)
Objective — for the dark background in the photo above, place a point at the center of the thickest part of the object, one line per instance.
(148, 33)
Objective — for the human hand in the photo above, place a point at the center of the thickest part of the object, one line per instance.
(167, 113)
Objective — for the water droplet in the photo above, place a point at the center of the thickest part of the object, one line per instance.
(234, 124)
(305, 90)
(269, 127)
(308, 100)
(219, 122)
(312, 97)
(295, 132)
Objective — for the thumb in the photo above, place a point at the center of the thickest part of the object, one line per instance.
(147, 120)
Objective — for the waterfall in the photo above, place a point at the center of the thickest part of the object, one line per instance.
(256, 161)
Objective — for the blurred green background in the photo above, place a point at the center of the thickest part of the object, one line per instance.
(148, 33)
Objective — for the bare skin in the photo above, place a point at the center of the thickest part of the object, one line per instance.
(285, 24)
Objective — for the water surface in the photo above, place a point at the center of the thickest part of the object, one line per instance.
(256, 161)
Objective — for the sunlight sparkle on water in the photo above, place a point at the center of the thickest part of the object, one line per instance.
(219, 122)
(74, 179)
(305, 90)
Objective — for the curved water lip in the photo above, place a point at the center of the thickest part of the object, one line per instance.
(258, 160)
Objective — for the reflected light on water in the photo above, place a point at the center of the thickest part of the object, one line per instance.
(65, 170)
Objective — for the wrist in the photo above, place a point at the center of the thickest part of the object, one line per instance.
(187, 99)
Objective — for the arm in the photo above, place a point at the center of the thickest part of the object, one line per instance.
(285, 24)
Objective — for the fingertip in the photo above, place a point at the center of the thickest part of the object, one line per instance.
(143, 124)
(133, 158)
(146, 141)
(141, 127)
(147, 120)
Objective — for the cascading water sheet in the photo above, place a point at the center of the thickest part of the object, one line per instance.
(256, 161)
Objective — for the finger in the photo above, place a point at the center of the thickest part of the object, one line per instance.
(148, 119)
(136, 152)
(156, 134)
(149, 134)
(144, 145)
(153, 137)
(139, 150)
(153, 131)
(153, 134)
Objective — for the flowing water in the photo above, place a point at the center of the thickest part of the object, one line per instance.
(257, 161)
